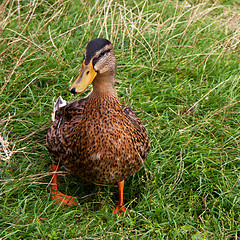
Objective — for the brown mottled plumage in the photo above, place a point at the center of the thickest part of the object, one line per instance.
(97, 138)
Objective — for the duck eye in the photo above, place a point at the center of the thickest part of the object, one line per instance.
(87, 72)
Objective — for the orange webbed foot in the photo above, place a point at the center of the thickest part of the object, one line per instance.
(60, 198)
(120, 209)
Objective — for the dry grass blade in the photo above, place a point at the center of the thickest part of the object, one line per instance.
(178, 67)
(5, 152)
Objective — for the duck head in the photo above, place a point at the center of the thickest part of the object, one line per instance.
(98, 67)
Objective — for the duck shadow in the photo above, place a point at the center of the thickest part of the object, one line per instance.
(95, 196)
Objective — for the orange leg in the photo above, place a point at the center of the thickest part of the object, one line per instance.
(120, 208)
(57, 196)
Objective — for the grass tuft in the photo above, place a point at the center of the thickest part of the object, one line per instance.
(178, 67)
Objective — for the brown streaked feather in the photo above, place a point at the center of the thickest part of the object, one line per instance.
(98, 139)
(62, 132)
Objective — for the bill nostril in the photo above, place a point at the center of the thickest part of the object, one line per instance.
(73, 90)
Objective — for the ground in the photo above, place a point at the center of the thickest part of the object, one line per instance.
(178, 68)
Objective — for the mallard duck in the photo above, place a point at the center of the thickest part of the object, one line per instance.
(96, 138)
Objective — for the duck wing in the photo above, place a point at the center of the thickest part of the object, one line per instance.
(62, 133)
(141, 136)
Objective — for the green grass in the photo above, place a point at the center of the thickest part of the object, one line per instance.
(178, 67)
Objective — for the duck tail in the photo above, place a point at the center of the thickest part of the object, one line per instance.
(58, 104)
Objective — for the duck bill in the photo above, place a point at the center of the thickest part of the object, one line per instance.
(84, 79)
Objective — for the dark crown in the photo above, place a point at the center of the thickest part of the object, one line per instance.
(94, 46)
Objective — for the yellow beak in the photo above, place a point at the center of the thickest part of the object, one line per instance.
(85, 78)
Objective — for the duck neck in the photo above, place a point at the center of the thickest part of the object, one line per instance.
(104, 85)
